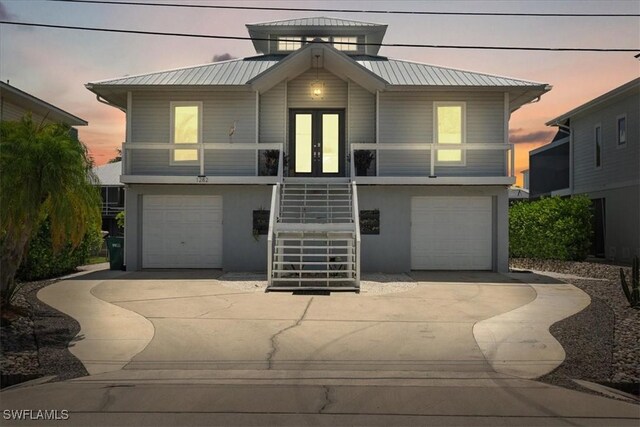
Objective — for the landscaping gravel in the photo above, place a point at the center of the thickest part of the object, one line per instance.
(603, 341)
(36, 344)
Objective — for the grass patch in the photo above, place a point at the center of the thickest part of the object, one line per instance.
(97, 260)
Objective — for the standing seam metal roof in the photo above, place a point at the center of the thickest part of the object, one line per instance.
(393, 71)
(320, 21)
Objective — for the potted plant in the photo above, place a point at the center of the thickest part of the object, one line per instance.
(269, 166)
(362, 160)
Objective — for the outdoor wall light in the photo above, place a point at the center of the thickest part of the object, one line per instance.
(317, 86)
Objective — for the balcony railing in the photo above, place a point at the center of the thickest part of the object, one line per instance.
(198, 171)
(430, 174)
(111, 208)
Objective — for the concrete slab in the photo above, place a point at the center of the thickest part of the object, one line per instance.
(109, 335)
(519, 342)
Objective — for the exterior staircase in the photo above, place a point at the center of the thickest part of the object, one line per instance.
(314, 237)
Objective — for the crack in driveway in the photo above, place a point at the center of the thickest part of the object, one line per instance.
(274, 337)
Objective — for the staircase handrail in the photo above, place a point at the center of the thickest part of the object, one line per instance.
(356, 224)
(273, 217)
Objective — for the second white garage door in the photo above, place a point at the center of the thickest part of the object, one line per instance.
(182, 232)
(451, 233)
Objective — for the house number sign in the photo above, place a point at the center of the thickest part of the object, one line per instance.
(201, 179)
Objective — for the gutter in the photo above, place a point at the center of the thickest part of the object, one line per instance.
(104, 101)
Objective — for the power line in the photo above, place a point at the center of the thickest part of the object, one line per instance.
(211, 36)
(309, 9)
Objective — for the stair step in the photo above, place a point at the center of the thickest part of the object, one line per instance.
(310, 279)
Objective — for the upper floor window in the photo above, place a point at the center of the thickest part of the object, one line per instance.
(186, 128)
(621, 127)
(449, 128)
(597, 139)
(289, 43)
(337, 43)
(312, 38)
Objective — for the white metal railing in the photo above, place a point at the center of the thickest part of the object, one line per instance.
(315, 203)
(433, 148)
(356, 224)
(111, 208)
(127, 166)
(273, 218)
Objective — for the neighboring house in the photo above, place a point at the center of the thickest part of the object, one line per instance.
(525, 179)
(517, 193)
(112, 192)
(14, 104)
(315, 135)
(597, 153)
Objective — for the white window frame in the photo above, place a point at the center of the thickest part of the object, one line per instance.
(300, 39)
(598, 126)
(463, 154)
(626, 131)
(345, 47)
(172, 125)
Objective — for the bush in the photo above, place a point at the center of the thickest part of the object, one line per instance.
(551, 228)
(40, 262)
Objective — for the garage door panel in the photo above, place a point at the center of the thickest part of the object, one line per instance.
(451, 233)
(182, 232)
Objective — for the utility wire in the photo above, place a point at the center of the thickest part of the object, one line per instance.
(210, 36)
(309, 9)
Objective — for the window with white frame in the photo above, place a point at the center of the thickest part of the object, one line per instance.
(186, 128)
(449, 128)
(338, 43)
(289, 43)
(597, 139)
(309, 39)
(621, 128)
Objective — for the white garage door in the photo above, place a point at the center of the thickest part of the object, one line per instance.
(182, 232)
(451, 233)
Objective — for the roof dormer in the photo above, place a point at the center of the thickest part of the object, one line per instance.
(290, 35)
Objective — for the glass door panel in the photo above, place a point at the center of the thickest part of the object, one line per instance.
(303, 143)
(330, 143)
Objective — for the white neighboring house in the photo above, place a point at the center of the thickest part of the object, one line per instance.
(112, 193)
(346, 160)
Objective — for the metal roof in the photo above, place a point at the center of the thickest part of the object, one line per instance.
(319, 21)
(393, 71)
(233, 72)
(109, 174)
(400, 72)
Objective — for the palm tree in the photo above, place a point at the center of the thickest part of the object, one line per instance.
(45, 173)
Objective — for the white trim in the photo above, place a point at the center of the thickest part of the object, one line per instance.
(626, 131)
(377, 130)
(597, 127)
(193, 180)
(463, 105)
(441, 180)
(172, 105)
(257, 132)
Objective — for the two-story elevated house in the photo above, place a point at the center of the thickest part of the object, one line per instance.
(316, 159)
(596, 152)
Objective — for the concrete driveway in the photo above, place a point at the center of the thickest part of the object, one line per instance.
(187, 348)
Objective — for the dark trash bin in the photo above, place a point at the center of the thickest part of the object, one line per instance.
(115, 246)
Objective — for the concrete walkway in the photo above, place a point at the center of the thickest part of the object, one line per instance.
(181, 348)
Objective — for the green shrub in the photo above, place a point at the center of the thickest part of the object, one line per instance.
(551, 228)
(40, 262)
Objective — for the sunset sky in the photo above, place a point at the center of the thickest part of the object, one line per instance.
(54, 64)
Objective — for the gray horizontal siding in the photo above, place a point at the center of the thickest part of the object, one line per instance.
(619, 165)
(361, 115)
(151, 117)
(13, 112)
(407, 117)
(299, 92)
(272, 114)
